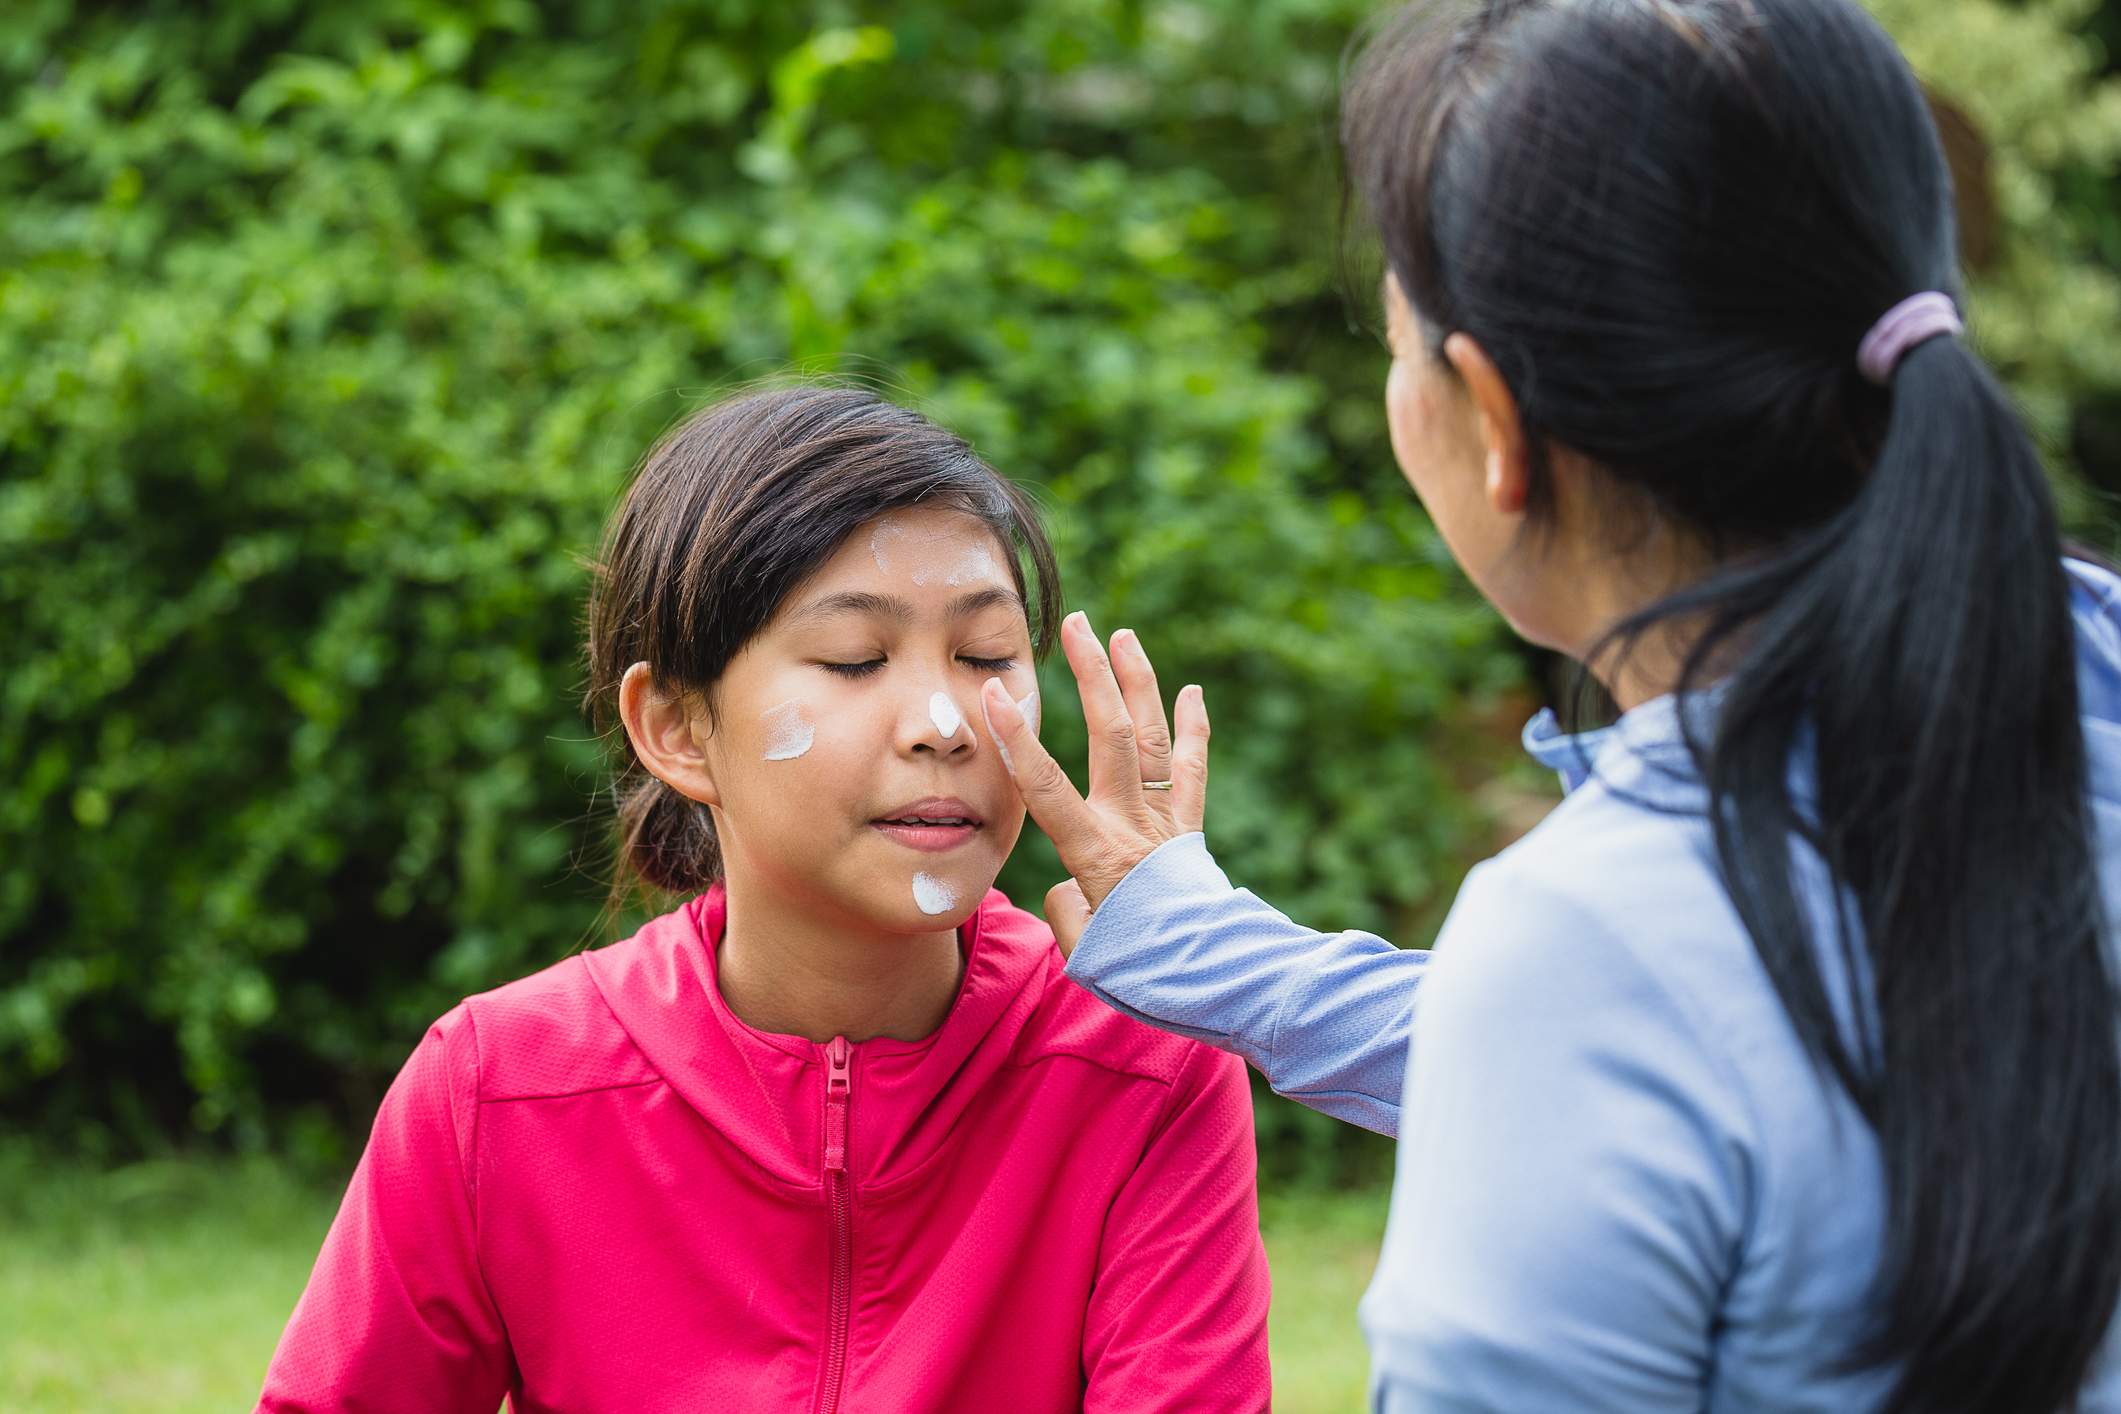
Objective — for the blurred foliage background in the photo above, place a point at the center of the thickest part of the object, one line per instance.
(329, 332)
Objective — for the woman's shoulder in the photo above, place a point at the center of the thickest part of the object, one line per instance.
(1612, 919)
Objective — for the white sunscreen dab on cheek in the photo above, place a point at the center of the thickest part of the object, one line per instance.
(788, 732)
(943, 712)
(1028, 705)
(933, 895)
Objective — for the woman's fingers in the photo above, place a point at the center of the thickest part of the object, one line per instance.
(1189, 762)
(1115, 771)
(1145, 705)
(1067, 914)
(1098, 841)
(1048, 793)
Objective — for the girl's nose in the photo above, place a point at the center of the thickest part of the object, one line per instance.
(946, 731)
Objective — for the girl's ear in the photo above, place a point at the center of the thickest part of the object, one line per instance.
(1508, 479)
(661, 730)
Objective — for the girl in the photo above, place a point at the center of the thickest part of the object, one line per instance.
(1777, 1070)
(836, 1134)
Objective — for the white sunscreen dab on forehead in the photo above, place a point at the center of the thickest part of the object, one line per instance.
(933, 895)
(788, 731)
(943, 712)
(958, 555)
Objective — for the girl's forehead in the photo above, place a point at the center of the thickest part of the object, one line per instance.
(927, 546)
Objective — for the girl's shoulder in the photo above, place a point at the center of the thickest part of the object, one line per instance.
(554, 1032)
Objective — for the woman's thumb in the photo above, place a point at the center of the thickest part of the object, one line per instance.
(1067, 914)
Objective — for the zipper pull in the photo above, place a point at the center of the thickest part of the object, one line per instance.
(839, 1085)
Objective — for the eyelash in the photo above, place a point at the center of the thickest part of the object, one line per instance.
(862, 670)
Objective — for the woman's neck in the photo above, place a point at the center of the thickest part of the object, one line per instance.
(792, 972)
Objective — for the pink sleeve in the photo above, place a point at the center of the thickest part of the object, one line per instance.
(396, 1315)
(1178, 1318)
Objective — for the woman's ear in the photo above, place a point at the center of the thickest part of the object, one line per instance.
(1508, 479)
(663, 736)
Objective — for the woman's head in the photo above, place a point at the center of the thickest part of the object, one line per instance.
(1669, 224)
(1640, 243)
(795, 605)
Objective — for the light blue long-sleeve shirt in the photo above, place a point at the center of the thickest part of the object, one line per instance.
(1623, 1185)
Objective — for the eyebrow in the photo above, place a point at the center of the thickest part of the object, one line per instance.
(861, 604)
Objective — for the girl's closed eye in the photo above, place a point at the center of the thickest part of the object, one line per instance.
(986, 665)
(853, 670)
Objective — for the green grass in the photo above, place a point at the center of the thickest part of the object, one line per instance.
(163, 1286)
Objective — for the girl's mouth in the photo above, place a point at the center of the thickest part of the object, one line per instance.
(930, 826)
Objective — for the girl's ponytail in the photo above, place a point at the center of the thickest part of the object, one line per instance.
(1670, 226)
(666, 841)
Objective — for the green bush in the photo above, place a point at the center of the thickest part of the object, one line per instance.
(328, 333)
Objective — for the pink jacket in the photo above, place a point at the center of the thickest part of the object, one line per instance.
(596, 1189)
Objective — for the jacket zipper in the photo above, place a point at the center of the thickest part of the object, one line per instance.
(839, 1089)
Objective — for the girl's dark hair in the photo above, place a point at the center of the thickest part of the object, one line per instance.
(1670, 223)
(727, 516)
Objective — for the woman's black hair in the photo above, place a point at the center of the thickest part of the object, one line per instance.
(727, 516)
(1670, 224)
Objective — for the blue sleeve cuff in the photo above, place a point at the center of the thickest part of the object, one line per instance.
(1324, 1016)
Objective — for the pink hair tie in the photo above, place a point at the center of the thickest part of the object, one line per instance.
(1900, 328)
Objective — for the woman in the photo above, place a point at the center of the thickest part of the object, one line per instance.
(1777, 1069)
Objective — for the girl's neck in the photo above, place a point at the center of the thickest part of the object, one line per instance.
(785, 970)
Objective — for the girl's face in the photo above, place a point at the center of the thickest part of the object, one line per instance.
(846, 777)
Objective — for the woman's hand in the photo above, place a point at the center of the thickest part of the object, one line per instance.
(1100, 839)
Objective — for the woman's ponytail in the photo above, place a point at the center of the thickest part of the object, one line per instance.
(1921, 645)
(1670, 226)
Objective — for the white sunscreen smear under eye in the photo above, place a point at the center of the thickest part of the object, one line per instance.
(943, 712)
(933, 895)
(953, 557)
(1028, 705)
(788, 731)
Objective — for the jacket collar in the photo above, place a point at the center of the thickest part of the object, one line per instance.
(765, 1092)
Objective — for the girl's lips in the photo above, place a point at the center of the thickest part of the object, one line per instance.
(930, 839)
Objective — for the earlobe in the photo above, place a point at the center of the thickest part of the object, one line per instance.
(1507, 483)
(1507, 479)
(663, 736)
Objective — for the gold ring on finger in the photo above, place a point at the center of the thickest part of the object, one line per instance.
(1156, 785)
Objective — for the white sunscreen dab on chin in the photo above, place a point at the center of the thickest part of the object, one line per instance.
(788, 732)
(943, 712)
(933, 895)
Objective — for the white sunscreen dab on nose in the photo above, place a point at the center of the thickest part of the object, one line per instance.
(953, 557)
(943, 712)
(788, 732)
(933, 895)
